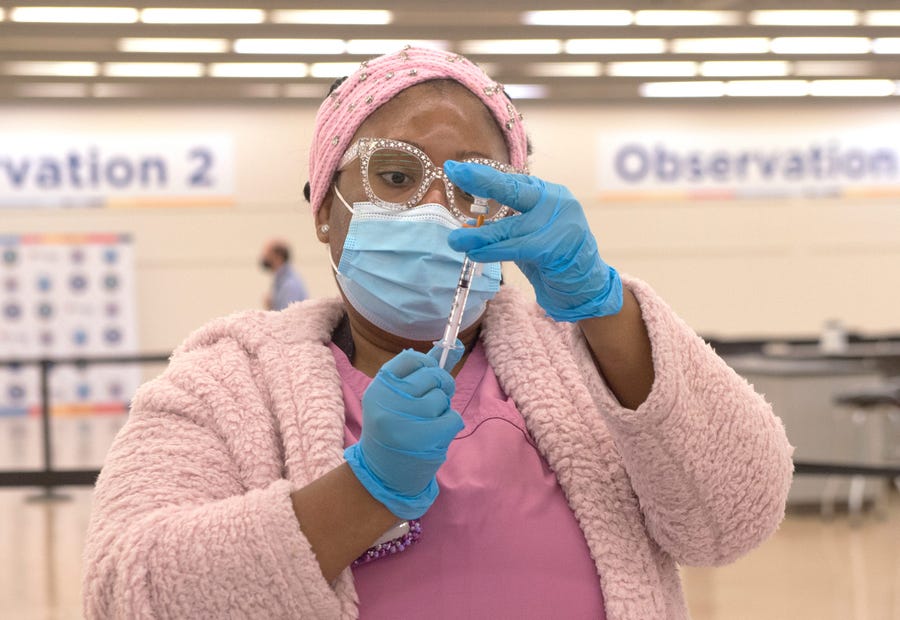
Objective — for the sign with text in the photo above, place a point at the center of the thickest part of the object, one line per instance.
(735, 164)
(115, 170)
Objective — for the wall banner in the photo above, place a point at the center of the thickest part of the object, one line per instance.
(734, 164)
(115, 170)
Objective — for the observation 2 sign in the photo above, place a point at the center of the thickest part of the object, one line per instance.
(115, 170)
(723, 165)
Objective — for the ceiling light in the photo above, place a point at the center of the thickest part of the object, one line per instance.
(120, 90)
(832, 67)
(173, 46)
(376, 47)
(886, 45)
(305, 91)
(153, 69)
(258, 70)
(564, 69)
(512, 46)
(851, 88)
(203, 16)
(615, 46)
(74, 14)
(736, 45)
(640, 69)
(332, 69)
(804, 18)
(525, 91)
(767, 88)
(720, 68)
(821, 45)
(682, 89)
(47, 68)
(51, 89)
(882, 18)
(289, 46)
(2, 14)
(577, 18)
(337, 17)
(686, 18)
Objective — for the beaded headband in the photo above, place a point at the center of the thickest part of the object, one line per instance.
(377, 81)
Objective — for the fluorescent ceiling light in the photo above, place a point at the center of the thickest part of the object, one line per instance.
(832, 67)
(821, 45)
(338, 17)
(882, 18)
(886, 45)
(721, 68)
(332, 69)
(120, 90)
(259, 69)
(74, 14)
(804, 18)
(767, 88)
(203, 16)
(565, 69)
(153, 69)
(525, 91)
(51, 89)
(676, 68)
(47, 68)
(2, 14)
(304, 91)
(686, 18)
(387, 46)
(852, 88)
(512, 46)
(736, 45)
(682, 89)
(173, 46)
(289, 46)
(615, 46)
(578, 18)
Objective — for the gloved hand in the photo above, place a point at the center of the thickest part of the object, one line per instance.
(550, 242)
(407, 427)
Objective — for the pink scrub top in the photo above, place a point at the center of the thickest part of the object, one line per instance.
(500, 541)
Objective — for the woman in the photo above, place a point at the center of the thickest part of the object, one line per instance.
(567, 457)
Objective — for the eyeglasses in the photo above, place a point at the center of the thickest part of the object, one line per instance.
(396, 176)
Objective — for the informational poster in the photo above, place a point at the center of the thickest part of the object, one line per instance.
(66, 297)
(116, 170)
(722, 164)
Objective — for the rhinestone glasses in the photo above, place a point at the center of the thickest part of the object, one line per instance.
(396, 176)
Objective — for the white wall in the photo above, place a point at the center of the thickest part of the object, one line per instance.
(742, 268)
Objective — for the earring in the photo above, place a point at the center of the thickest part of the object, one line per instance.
(324, 228)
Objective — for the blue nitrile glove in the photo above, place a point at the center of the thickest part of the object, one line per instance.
(407, 427)
(550, 242)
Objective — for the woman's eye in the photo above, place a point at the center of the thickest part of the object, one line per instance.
(395, 178)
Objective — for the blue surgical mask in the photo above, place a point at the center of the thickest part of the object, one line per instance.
(398, 272)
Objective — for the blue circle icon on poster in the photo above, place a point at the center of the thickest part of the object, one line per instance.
(79, 337)
(10, 256)
(83, 390)
(44, 283)
(45, 310)
(111, 282)
(78, 282)
(112, 336)
(110, 256)
(16, 392)
(12, 311)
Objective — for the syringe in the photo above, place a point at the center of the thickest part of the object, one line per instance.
(466, 275)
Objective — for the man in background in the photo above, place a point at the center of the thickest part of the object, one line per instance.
(287, 287)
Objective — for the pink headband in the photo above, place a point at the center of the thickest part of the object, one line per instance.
(380, 79)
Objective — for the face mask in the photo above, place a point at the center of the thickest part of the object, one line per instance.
(398, 272)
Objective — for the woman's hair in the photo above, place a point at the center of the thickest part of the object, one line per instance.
(353, 99)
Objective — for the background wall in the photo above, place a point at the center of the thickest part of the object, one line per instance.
(730, 268)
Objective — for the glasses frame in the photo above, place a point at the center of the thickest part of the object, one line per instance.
(363, 148)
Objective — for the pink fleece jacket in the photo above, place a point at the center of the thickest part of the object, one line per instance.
(193, 519)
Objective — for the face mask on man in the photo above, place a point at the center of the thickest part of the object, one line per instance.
(398, 272)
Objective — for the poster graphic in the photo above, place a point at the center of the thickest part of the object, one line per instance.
(62, 297)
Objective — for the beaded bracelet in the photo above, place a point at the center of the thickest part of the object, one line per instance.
(390, 547)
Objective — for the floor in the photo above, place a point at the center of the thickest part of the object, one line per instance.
(811, 569)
